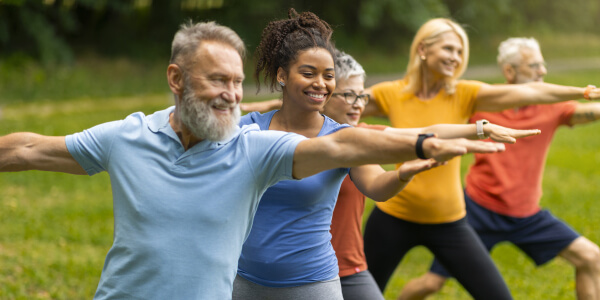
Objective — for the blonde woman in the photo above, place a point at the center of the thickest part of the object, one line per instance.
(430, 211)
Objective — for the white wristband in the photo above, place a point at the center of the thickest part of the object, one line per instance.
(479, 126)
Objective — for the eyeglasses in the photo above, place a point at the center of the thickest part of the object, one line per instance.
(351, 98)
(537, 66)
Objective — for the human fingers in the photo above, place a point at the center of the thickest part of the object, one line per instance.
(443, 150)
(483, 147)
(412, 167)
(518, 133)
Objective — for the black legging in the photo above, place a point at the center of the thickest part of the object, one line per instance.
(455, 244)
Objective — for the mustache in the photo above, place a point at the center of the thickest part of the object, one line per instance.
(221, 103)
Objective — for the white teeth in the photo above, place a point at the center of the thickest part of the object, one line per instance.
(319, 96)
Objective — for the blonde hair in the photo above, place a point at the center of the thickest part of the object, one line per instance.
(428, 34)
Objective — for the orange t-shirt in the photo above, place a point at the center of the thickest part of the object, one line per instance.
(434, 196)
(346, 224)
(510, 183)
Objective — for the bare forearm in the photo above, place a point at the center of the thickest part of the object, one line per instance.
(452, 131)
(356, 146)
(29, 151)
(386, 186)
(377, 184)
(351, 147)
(586, 113)
(500, 97)
(12, 151)
(469, 131)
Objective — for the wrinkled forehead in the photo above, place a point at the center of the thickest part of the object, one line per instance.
(530, 55)
(218, 57)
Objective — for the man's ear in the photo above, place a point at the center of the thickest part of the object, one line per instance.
(175, 79)
(510, 73)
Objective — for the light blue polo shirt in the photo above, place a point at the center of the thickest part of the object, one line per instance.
(181, 217)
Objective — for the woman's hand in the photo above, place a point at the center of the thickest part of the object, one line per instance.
(503, 134)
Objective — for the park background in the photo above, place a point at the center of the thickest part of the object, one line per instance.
(66, 65)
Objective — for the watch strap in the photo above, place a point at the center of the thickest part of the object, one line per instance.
(588, 89)
(479, 127)
(419, 146)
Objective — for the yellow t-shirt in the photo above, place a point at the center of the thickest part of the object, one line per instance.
(434, 196)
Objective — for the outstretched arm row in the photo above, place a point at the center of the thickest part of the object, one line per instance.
(357, 146)
(497, 133)
(499, 97)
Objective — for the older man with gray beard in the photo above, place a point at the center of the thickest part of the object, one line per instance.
(186, 180)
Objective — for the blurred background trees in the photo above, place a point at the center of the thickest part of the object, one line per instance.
(52, 30)
(42, 42)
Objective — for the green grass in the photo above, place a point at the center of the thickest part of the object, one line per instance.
(57, 228)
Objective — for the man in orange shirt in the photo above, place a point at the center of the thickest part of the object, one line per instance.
(503, 191)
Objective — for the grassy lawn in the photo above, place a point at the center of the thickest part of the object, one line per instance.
(57, 228)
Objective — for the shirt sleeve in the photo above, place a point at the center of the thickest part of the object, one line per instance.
(91, 147)
(271, 154)
(567, 110)
(467, 91)
(381, 92)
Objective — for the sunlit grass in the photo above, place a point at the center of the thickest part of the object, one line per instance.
(57, 228)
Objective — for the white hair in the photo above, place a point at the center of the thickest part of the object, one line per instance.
(346, 66)
(190, 35)
(509, 51)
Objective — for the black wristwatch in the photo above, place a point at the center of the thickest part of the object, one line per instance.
(419, 145)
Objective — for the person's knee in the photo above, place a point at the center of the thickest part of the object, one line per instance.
(432, 283)
(585, 255)
(591, 257)
(422, 287)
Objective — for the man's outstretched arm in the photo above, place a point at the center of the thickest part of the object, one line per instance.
(29, 151)
(358, 146)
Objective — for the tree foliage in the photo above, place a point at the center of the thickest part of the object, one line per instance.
(50, 30)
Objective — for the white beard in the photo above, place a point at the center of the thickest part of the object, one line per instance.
(198, 117)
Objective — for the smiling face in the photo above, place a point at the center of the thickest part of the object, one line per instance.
(443, 57)
(310, 79)
(212, 91)
(338, 109)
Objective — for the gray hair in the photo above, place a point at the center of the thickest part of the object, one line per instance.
(190, 35)
(346, 66)
(509, 51)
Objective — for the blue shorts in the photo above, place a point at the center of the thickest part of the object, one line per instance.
(541, 236)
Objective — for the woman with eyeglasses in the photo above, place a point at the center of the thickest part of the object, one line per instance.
(430, 211)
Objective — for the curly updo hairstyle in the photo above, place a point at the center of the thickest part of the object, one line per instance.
(282, 40)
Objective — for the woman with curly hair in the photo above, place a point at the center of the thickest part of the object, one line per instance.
(288, 254)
